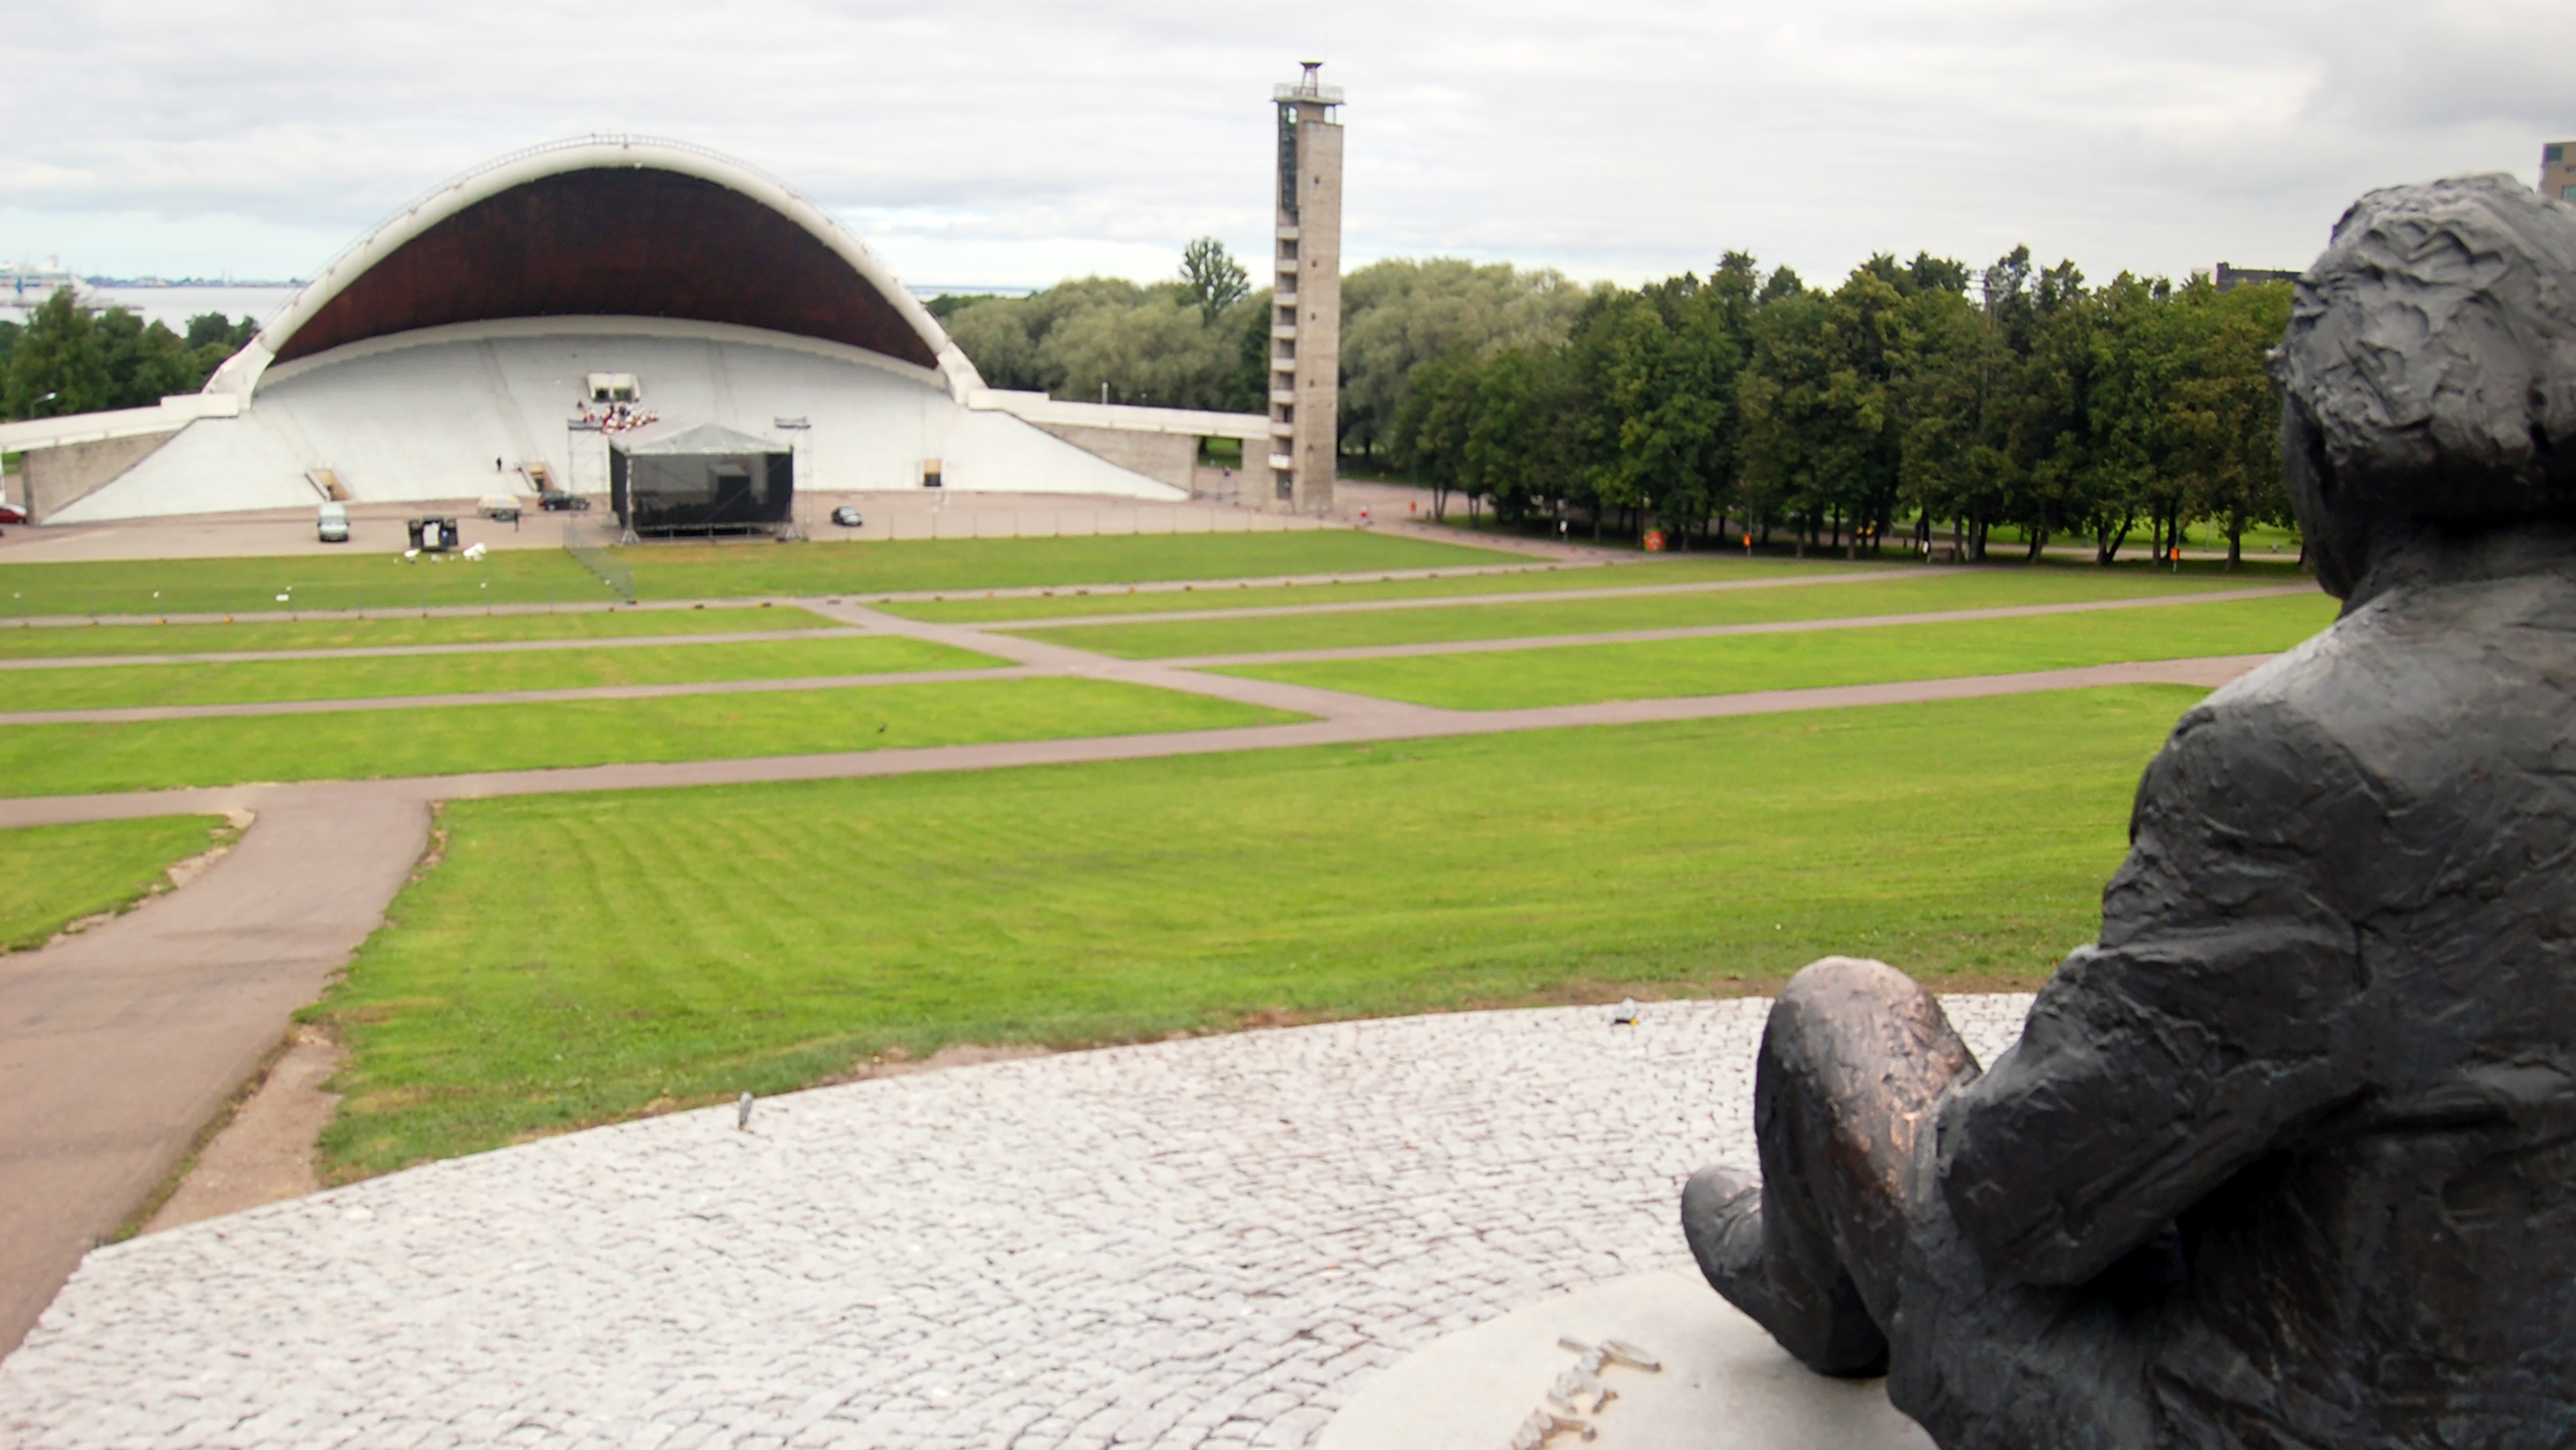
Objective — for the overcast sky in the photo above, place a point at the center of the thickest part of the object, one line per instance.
(982, 141)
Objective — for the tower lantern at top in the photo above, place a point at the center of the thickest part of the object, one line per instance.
(1306, 316)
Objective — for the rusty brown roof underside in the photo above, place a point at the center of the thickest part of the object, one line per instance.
(627, 242)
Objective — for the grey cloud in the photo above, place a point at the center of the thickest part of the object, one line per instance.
(1619, 138)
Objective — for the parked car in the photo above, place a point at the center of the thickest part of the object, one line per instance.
(10, 513)
(560, 502)
(846, 516)
(333, 525)
(501, 507)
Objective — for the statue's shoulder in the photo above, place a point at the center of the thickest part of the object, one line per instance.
(2414, 696)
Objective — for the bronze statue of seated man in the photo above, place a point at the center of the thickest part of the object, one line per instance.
(2288, 1157)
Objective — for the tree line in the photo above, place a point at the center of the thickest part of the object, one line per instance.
(1202, 339)
(71, 358)
(1912, 396)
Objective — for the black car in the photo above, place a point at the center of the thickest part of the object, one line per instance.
(846, 516)
(564, 503)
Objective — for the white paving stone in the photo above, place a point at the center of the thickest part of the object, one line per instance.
(1201, 1243)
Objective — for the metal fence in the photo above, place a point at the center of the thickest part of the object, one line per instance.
(589, 545)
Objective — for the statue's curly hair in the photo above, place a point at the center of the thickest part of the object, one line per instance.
(2428, 376)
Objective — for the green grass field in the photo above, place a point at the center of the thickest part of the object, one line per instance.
(697, 571)
(712, 571)
(1569, 579)
(51, 876)
(1922, 591)
(1732, 664)
(26, 643)
(100, 687)
(38, 760)
(546, 976)
(381, 580)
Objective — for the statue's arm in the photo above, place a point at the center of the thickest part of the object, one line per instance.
(2211, 1021)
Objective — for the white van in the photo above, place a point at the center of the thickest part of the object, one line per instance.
(333, 525)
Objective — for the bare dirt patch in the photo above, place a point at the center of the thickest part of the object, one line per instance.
(895, 1062)
(265, 1153)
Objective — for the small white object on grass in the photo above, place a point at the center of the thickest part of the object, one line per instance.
(1625, 1015)
(742, 1114)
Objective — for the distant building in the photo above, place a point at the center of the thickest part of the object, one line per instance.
(2558, 170)
(2231, 278)
(504, 330)
(1306, 318)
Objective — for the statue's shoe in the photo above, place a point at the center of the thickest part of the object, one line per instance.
(1722, 1222)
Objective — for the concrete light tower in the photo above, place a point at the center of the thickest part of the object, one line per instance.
(1306, 320)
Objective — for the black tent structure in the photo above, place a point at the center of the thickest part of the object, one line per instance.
(701, 481)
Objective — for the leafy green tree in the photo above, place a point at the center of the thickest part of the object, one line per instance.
(211, 329)
(1665, 360)
(1821, 436)
(2133, 370)
(2225, 416)
(1400, 314)
(1950, 465)
(146, 362)
(210, 339)
(2048, 421)
(1214, 280)
(1156, 345)
(1519, 445)
(1430, 436)
(59, 365)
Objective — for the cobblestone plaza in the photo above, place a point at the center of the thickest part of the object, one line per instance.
(1206, 1242)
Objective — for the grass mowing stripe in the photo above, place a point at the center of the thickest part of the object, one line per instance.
(1918, 592)
(548, 975)
(698, 571)
(51, 876)
(40, 760)
(260, 681)
(1567, 581)
(382, 633)
(374, 580)
(1733, 664)
(1526, 579)
(709, 571)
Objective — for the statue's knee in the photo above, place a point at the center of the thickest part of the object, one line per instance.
(1834, 982)
(1857, 1036)
(1831, 1002)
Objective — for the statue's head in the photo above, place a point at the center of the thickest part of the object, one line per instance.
(2428, 377)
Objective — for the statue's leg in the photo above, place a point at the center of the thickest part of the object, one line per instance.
(1852, 1061)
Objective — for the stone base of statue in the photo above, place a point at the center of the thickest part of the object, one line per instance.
(1548, 1373)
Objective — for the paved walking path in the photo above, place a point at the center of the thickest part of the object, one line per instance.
(118, 1045)
(1205, 1243)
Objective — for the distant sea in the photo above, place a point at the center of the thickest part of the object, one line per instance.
(171, 305)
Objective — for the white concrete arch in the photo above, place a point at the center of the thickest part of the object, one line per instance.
(242, 374)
